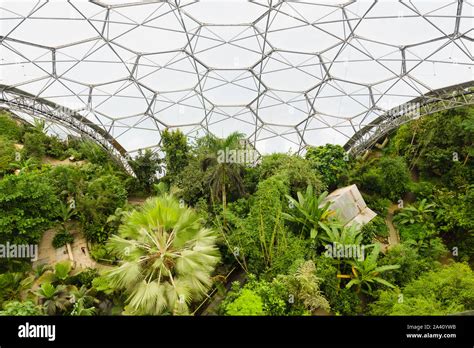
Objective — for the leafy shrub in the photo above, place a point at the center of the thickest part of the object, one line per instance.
(378, 205)
(412, 264)
(454, 219)
(68, 181)
(192, 182)
(331, 161)
(9, 129)
(35, 144)
(145, 166)
(7, 154)
(28, 206)
(371, 181)
(100, 199)
(70, 152)
(62, 238)
(93, 153)
(294, 169)
(296, 293)
(422, 189)
(346, 303)
(247, 303)
(265, 245)
(459, 175)
(413, 231)
(388, 177)
(55, 147)
(394, 177)
(432, 144)
(342, 301)
(85, 277)
(375, 228)
(23, 308)
(176, 149)
(100, 252)
(310, 215)
(440, 292)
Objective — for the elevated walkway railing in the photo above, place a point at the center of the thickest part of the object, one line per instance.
(438, 100)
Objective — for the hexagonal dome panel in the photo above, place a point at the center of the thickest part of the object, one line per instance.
(287, 73)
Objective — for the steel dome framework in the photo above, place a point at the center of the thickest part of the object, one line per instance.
(286, 73)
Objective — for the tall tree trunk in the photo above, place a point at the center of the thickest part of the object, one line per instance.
(224, 197)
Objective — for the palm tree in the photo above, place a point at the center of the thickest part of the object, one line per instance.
(167, 258)
(367, 272)
(224, 175)
(53, 298)
(310, 212)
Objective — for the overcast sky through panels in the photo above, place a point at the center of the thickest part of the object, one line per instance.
(285, 73)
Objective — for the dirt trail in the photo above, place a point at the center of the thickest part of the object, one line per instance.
(55, 162)
(393, 235)
(137, 200)
(47, 254)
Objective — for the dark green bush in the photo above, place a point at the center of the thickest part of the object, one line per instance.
(56, 148)
(378, 205)
(296, 170)
(100, 199)
(177, 153)
(35, 144)
(342, 301)
(422, 189)
(395, 178)
(146, 165)
(62, 238)
(7, 154)
(387, 177)
(9, 128)
(28, 206)
(412, 264)
(331, 161)
(375, 228)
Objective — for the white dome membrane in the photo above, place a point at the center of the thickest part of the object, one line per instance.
(286, 73)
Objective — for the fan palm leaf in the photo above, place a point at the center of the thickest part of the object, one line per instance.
(167, 257)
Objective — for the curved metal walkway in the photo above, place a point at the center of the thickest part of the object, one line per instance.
(438, 100)
(18, 100)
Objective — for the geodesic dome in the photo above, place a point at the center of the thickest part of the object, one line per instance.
(286, 73)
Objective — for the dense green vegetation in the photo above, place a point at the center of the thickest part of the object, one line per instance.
(255, 235)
